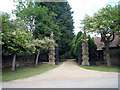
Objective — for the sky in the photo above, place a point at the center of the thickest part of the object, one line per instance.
(87, 7)
(80, 8)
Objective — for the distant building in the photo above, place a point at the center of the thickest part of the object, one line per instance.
(114, 55)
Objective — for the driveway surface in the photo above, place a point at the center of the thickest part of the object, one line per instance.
(67, 75)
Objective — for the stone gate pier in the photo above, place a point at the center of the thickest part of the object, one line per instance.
(51, 55)
(85, 53)
(52, 52)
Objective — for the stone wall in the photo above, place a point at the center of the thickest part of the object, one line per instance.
(114, 56)
(21, 60)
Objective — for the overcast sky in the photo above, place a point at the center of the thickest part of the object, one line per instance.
(80, 8)
(89, 7)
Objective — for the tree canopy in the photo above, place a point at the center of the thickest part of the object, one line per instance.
(14, 40)
(105, 23)
(42, 18)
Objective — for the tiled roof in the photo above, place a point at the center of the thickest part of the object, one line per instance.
(114, 43)
(100, 44)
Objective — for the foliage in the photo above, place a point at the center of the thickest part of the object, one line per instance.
(17, 40)
(44, 43)
(14, 40)
(67, 55)
(77, 47)
(92, 49)
(65, 23)
(47, 17)
(38, 18)
(76, 44)
(105, 23)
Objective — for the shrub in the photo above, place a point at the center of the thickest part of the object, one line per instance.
(77, 48)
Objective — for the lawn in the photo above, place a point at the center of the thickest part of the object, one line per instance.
(0, 76)
(24, 72)
(102, 68)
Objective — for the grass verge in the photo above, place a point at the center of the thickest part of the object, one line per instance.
(24, 72)
(102, 68)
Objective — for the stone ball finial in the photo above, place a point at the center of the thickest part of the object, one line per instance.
(52, 35)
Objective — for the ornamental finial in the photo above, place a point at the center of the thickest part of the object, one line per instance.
(52, 36)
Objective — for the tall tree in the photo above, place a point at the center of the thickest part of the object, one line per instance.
(39, 18)
(14, 40)
(105, 23)
(48, 17)
(65, 22)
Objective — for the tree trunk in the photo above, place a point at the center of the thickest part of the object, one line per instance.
(13, 63)
(107, 55)
(37, 57)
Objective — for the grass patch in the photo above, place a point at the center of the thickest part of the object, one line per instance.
(24, 72)
(0, 76)
(102, 68)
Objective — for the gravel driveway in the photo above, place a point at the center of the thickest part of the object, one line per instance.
(67, 75)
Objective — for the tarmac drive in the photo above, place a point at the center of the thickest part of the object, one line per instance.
(67, 75)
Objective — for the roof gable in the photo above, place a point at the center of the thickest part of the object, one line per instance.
(100, 44)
